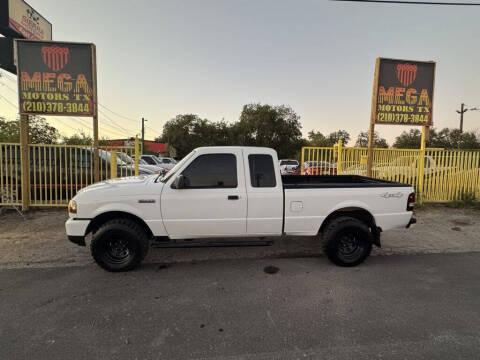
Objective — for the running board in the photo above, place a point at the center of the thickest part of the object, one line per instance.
(210, 244)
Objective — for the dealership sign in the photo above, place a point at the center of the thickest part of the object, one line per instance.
(56, 78)
(403, 92)
(20, 20)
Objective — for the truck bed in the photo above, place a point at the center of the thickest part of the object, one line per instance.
(335, 181)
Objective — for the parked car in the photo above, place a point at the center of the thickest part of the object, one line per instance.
(320, 168)
(164, 162)
(167, 162)
(287, 166)
(142, 164)
(206, 195)
(150, 159)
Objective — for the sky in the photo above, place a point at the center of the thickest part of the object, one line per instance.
(159, 58)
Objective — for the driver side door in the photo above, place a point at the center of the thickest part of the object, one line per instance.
(213, 202)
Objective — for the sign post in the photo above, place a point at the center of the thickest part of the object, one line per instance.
(371, 131)
(25, 162)
(402, 95)
(96, 164)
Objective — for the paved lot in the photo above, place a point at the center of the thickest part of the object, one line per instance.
(392, 307)
(420, 302)
(41, 241)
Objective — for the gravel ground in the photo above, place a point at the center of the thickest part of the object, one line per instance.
(39, 240)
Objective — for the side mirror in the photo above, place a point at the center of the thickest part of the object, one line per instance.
(179, 182)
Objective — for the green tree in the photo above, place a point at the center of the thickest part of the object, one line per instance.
(78, 139)
(445, 138)
(339, 135)
(39, 131)
(408, 140)
(188, 131)
(277, 127)
(316, 138)
(378, 142)
(453, 139)
(83, 139)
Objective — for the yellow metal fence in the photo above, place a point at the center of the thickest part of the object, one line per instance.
(438, 175)
(57, 172)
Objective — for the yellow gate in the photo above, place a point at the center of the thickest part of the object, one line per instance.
(57, 172)
(438, 175)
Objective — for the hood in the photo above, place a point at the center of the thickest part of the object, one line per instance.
(119, 186)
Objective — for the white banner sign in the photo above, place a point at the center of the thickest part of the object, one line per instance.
(23, 19)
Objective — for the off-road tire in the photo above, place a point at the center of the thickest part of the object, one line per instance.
(113, 236)
(347, 241)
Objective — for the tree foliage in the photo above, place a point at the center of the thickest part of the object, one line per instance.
(316, 138)
(187, 132)
(39, 132)
(82, 139)
(378, 142)
(277, 127)
(445, 138)
(343, 135)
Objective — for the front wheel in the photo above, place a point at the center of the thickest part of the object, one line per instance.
(347, 241)
(119, 245)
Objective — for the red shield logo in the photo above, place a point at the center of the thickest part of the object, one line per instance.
(406, 73)
(55, 57)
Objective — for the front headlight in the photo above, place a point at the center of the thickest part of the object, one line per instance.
(72, 207)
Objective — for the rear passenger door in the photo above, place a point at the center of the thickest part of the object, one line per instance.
(213, 202)
(265, 192)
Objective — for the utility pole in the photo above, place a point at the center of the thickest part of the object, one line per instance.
(143, 133)
(461, 112)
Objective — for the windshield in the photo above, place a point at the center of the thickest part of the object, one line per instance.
(125, 158)
(176, 167)
(157, 160)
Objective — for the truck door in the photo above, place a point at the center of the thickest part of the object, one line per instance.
(265, 192)
(213, 201)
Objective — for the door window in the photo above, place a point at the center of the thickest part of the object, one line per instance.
(211, 171)
(262, 172)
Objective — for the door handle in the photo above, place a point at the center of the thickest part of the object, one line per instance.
(233, 197)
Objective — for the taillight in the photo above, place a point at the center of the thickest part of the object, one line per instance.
(411, 202)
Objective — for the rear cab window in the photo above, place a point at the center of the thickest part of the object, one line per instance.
(262, 171)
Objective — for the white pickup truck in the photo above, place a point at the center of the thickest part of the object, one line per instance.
(217, 193)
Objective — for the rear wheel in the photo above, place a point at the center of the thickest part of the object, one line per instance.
(347, 241)
(119, 245)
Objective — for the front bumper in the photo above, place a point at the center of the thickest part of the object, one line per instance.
(76, 230)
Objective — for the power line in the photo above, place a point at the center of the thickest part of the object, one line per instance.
(8, 101)
(407, 2)
(155, 131)
(8, 87)
(111, 131)
(7, 76)
(113, 122)
(122, 116)
(127, 118)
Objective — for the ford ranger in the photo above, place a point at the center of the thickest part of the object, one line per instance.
(236, 193)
